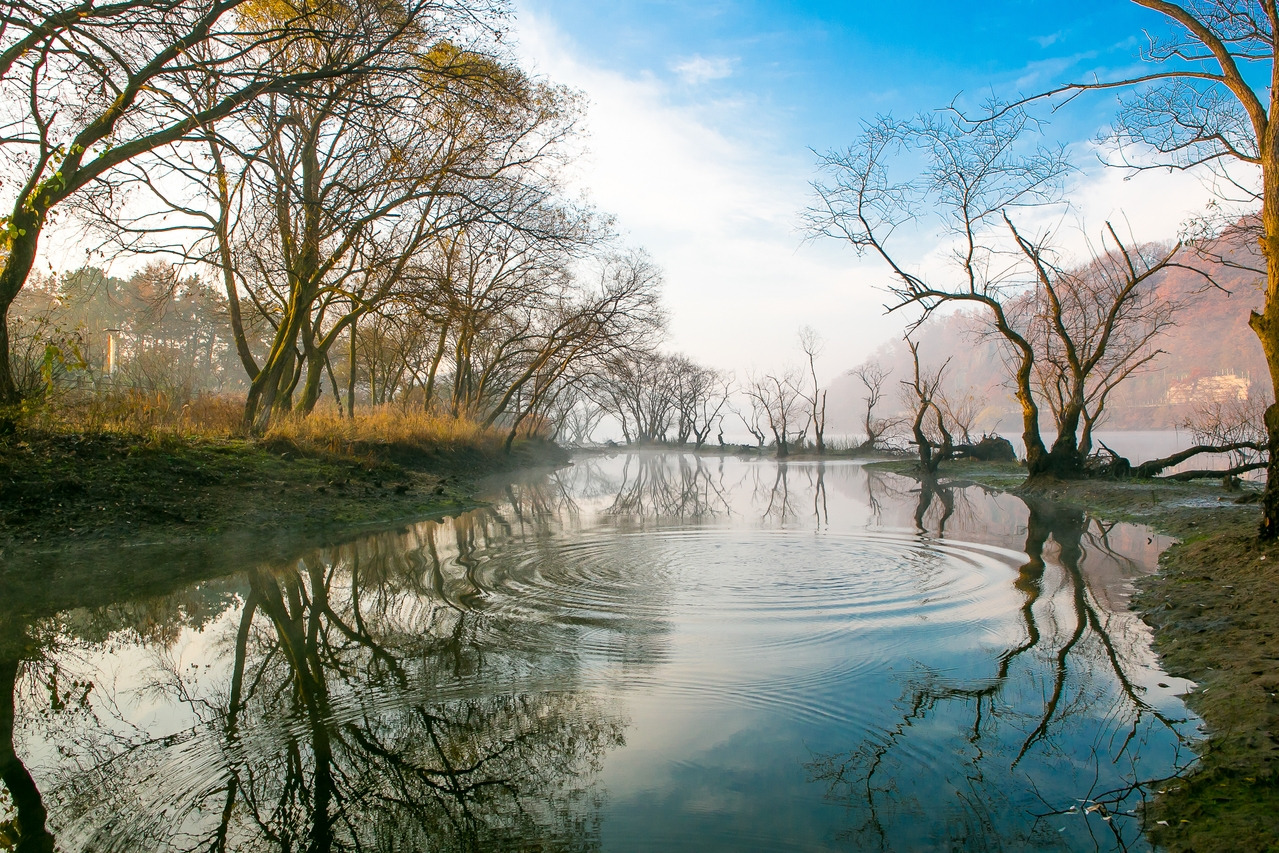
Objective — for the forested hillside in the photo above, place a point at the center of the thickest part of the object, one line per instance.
(1210, 352)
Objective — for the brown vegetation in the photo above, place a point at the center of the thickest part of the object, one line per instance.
(130, 468)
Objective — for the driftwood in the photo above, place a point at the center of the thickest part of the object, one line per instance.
(1114, 465)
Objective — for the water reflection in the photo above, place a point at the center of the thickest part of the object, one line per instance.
(643, 652)
(1068, 666)
(330, 704)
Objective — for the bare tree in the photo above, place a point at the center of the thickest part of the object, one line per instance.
(87, 89)
(923, 396)
(976, 176)
(577, 329)
(1207, 105)
(699, 396)
(1094, 327)
(962, 411)
(776, 397)
(754, 420)
(873, 375)
(811, 343)
(635, 389)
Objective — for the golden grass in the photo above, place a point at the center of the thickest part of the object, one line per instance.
(135, 412)
(385, 425)
(160, 418)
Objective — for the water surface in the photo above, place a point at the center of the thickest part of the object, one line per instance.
(642, 652)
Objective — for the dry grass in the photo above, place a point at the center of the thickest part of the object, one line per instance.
(160, 419)
(151, 414)
(327, 430)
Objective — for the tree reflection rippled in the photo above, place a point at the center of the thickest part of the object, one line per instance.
(638, 652)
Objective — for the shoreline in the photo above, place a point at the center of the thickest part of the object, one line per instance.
(119, 516)
(72, 491)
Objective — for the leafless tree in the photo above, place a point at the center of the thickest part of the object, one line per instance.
(976, 176)
(617, 312)
(754, 420)
(873, 375)
(1206, 105)
(700, 395)
(577, 417)
(88, 88)
(962, 411)
(777, 398)
(811, 343)
(1093, 327)
(923, 397)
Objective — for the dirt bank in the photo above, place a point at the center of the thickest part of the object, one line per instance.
(60, 490)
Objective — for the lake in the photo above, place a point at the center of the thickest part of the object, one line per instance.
(638, 652)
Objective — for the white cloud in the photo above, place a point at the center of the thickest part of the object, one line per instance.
(719, 211)
(699, 69)
(715, 195)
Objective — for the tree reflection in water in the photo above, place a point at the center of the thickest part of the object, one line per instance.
(1067, 664)
(671, 486)
(332, 707)
(457, 684)
(26, 832)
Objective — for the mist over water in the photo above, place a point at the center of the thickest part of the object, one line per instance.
(639, 652)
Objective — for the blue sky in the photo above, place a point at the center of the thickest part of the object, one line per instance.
(702, 115)
(826, 65)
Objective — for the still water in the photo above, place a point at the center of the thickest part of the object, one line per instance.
(643, 652)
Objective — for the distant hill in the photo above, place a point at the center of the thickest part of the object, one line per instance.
(1210, 351)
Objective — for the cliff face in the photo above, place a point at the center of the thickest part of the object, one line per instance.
(1210, 352)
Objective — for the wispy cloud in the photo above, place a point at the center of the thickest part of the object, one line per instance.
(718, 208)
(715, 197)
(699, 69)
(1046, 41)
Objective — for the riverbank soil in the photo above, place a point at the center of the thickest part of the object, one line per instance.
(66, 489)
(1214, 609)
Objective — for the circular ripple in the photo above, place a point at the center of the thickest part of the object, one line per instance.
(760, 618)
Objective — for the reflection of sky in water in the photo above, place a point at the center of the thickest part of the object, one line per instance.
(804, 657)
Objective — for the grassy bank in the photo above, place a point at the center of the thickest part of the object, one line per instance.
(70, 483)
(1214, 608)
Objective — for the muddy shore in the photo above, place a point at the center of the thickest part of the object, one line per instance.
(66, 490)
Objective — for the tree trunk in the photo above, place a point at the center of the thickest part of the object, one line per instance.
(226, 260)
(1037, 461)
(31, 813)
(1266, 324)
(312, 388)
(22, 243)
(350, 378)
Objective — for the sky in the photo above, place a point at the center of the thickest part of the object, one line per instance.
(703, 119)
